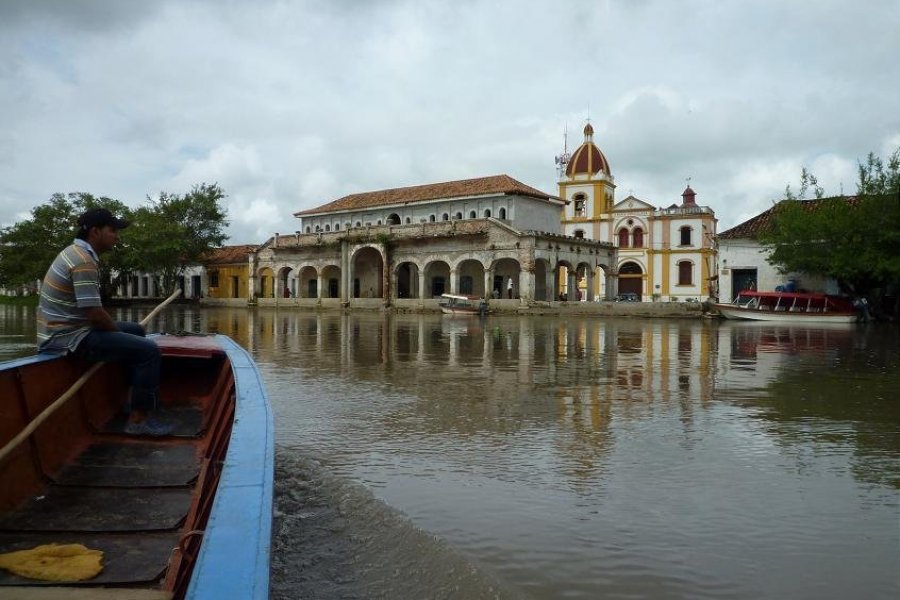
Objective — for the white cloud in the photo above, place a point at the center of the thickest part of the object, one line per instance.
(291, 104)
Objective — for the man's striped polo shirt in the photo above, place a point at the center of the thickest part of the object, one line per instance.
(72, 284)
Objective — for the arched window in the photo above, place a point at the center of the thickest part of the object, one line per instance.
(318, 229)
(623, 238)
(579, 205)
(431, 218)
(379, 222)
(685, 273)
(579, 234)
(358, 224)
(472, 214)
(308, 229)
(445, 217)
(487, 213)
(685, 236)
(408, 220)
(502, 214)
(347, 225)
(458, 215)
(393, 219)
(328, 228)
(637, 237)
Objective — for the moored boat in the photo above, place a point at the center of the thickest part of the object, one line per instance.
(183, 516)
(788, 307)
(454, 304)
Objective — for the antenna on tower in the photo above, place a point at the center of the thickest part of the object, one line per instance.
(562, 160)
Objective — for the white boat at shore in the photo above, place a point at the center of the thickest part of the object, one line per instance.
(788, 307)
(453, 304)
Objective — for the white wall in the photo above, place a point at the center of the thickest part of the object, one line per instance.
(749, 254)
(522, 212)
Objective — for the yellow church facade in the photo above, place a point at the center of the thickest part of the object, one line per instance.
(664, 253)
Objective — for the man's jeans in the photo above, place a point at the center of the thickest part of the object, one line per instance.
(130, 348)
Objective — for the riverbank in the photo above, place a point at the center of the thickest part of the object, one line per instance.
(681, 310)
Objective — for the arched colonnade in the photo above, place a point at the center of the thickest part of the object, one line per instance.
(469, 274)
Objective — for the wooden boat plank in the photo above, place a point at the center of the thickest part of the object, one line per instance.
(188, 422)
(127, 558)
(65, 508)
(132, 465)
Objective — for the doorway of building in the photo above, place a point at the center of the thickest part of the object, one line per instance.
(631, 279)
(742, 279)
(437, 286)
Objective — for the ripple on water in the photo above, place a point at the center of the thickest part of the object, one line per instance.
(333, 539)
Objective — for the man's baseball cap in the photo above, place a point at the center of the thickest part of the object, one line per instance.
(99, 217)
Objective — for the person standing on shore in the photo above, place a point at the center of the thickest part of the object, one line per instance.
(71, 319)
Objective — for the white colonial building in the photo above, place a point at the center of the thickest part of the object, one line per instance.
(743, 261)
(490, 237)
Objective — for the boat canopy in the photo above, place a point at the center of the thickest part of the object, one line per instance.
(458, 297)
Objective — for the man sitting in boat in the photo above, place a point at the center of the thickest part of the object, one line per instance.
(71, 318)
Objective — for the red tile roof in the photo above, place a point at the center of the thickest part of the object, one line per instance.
(229, 255)
(496, 184)
(751, 228)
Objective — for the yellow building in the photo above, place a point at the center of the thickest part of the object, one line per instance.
(664, 253)
(228, 272)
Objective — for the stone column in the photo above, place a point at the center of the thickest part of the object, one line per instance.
(589, 277)
(320, 282)
(526, 286)
(386, 277)
(612, 286)
(422, 287)
(453, 283)
(346, 275)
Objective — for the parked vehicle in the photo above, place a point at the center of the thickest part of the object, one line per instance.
(628, 297)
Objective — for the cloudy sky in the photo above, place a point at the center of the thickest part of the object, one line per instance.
(291, 104)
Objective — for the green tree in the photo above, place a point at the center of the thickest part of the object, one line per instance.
(28, 247)
(165, 236)
(175, 231)
(854, 240)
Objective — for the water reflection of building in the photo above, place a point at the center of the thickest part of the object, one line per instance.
(582, 375)
(571, 387)
(750, 355)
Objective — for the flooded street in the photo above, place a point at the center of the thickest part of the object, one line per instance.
(422, 456)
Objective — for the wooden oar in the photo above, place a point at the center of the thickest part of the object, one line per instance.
(36, 422)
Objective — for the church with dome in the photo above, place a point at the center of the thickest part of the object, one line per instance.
(664, 253)
(494, 238)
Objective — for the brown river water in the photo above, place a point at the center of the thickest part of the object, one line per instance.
(423, 456)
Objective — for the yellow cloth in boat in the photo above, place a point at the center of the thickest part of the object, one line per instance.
(54, 562)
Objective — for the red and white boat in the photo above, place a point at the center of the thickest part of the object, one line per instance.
(788, 307)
